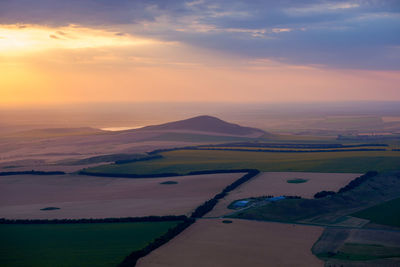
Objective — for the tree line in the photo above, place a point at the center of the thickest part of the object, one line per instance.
(199, 212)
(32, 172)
(91, 220)
(351, 185)
(160, 175)
(210, 204)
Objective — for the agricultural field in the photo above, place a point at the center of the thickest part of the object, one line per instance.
(276, 184)
(97, 244)
(387, 213)
(78, 196)
(209, 242)
(184, 161)
(337, 209)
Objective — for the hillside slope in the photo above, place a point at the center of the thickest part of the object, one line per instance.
(206, 124)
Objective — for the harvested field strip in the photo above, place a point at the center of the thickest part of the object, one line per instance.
(210, 242)
(78, 196)
(99, 244)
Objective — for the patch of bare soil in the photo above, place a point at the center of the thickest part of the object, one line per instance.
(209, 242)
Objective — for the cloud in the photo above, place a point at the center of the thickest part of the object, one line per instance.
(19, 41)
(337, 33)
(321, 8)
(54, 36)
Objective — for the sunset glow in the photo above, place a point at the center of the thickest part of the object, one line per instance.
(21, 39)
(201, 55)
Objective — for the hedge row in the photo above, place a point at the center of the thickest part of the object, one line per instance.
(104, 220)
(121, 175)
(132, 258)
(160, 175)
(32, 172)
(210, 204)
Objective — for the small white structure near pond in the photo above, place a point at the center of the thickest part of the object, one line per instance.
(241, 203)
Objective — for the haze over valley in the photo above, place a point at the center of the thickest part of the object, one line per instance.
(200, 133)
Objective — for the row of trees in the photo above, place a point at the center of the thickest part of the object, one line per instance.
(159, 175)
(210, 204)
(31, 172)
(91, 220)
(199, 212)
(132, 258)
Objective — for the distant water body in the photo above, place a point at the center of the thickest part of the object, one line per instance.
(115, 129)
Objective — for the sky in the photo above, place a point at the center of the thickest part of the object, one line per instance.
(54, 52)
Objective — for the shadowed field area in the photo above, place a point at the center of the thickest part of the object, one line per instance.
(387, 213)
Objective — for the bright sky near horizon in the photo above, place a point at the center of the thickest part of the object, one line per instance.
(236, 50)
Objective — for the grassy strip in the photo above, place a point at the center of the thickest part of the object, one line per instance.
(32, 172)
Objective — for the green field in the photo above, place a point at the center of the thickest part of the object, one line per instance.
(184, 161)
(387, 213)
(330, 210)
(97, 244)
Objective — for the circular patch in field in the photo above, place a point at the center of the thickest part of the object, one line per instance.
(50, 208)
(297, 181)
(169, 182)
